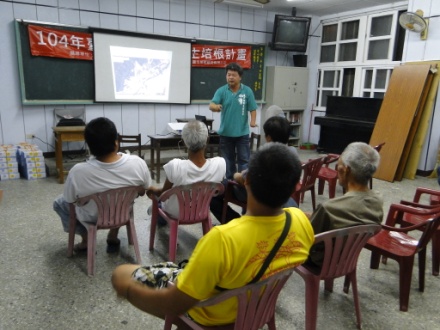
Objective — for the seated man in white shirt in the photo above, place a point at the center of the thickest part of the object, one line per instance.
(195, 168)
(105, 169)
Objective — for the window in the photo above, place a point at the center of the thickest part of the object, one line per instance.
(375, 82)
(358, 55)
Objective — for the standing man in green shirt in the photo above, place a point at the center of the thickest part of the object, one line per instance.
(234, 101)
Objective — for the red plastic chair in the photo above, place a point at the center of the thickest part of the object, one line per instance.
(341, 251)
(328, 174)
(410, 219)
(194, 200)
(395, 243)
(115, 209)
(310, 173)
(256, 305)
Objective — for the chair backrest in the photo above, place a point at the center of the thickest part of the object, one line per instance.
(194, 200)
(256, 302)
(422, 190)
(254, 137)
(342, 248)
(115, 206)
(310, 172)
(134, 140)
(379, 146)
(330, 158)
(429, 229)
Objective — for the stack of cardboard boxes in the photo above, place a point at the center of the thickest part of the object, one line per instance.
(8, 162)
(30, 160)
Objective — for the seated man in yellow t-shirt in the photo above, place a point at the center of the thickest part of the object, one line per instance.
(230, 256)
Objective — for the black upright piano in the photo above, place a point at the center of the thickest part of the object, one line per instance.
(347, 119)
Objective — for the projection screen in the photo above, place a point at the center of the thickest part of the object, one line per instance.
(141, 69)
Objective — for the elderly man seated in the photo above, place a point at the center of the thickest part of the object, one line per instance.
(359, 205)
(195, 168)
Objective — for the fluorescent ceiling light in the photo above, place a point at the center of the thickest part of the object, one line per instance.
(246, 3)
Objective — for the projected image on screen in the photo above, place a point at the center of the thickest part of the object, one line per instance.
(141, 73)
(134, 69)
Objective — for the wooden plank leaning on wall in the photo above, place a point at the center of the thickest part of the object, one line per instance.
(398, 113)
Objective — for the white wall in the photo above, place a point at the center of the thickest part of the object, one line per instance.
(185, 18)
(425, 50)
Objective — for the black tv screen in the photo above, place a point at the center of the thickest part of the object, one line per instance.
(290, 33)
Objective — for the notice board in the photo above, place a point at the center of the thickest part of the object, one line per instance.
(50, 80)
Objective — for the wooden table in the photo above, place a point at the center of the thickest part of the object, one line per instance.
(172, 141)
(65, 134)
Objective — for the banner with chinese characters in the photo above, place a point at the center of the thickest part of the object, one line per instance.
(214, 56)
(60, 43)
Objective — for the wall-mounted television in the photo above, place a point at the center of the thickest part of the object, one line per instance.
(290, 33)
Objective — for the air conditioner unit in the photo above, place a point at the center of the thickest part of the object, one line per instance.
(244, 3)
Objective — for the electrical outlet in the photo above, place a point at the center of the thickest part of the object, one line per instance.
(30, 136)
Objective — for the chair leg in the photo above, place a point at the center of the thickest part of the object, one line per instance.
(332, 189)
(312, 191)
(405, 275)
(436, 253)
(321, 183)
(172, 245)
(91, 250)
(422, 267)
(71, 241)
(153, 226)
(312, 294)
(375, 260)
(132, 237)
(346, 287)
(328, 285)
(352, 279)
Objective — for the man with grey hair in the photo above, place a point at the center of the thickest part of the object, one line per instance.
(359, 205)
(195, 168)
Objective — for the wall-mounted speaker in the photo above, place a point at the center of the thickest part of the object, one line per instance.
(300, 60)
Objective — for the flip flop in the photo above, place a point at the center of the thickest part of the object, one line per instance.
(113, 246)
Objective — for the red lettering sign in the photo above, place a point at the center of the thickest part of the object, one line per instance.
(60, 43)
(219, 56)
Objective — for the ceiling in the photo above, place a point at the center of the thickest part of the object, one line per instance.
(321, 7)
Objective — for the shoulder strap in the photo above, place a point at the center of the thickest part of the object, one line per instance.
(274, 250)
(271, 254)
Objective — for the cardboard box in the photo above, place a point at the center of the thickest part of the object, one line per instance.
(34, 176)
(9, 176)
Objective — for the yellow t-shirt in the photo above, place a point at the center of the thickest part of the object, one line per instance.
(230, 256)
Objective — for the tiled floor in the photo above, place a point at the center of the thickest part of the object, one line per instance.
(43, 289)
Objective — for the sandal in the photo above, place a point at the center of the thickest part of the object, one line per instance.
(79, 247)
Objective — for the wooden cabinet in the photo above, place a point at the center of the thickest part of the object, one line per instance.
(287, 88)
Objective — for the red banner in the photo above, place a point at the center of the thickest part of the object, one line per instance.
(60, 43)
(219, 56)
